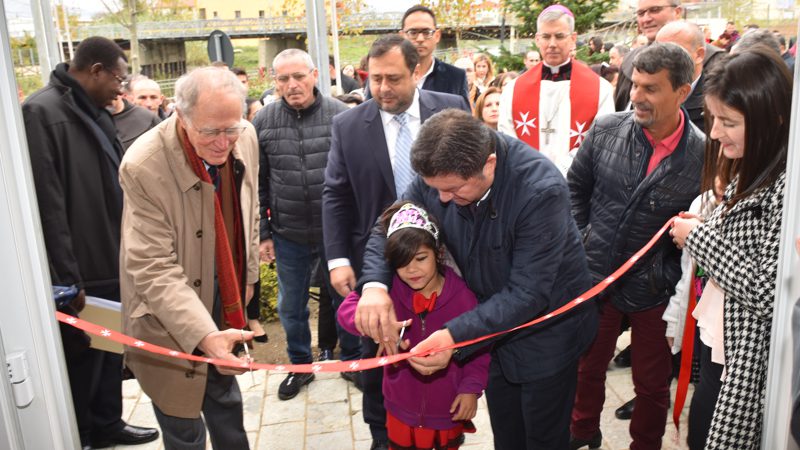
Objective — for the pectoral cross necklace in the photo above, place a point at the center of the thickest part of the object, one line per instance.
(548, 130)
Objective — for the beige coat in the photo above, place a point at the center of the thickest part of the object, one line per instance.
(167, 260)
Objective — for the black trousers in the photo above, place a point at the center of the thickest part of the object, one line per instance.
(372, 404)
(533, 415)
(222, 411)
(95, 379)
(704, 400)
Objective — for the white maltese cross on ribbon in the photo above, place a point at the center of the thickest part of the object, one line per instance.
(579, 134)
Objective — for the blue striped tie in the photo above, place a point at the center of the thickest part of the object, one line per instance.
(403, 174)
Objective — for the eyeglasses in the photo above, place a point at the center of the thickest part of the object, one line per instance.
(653, 10)
(547, 36)
(426, 33)
(297, 76)
(213, 133)
(122, 81)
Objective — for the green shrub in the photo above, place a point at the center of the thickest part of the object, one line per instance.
(269, 293)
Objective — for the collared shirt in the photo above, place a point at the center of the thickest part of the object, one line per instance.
(560, 72)
(425, 77)
(391, 128)
(664, 148)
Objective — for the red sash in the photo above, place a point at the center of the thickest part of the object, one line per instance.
(584, 95)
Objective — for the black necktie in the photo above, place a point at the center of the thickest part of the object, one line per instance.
(213, 172)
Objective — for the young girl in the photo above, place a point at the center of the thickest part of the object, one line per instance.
(424, 412)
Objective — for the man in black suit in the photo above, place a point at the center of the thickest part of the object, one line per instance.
(690, 37)
(419, 27)
(368, 169)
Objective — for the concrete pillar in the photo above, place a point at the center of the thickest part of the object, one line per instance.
(269, 48)
(162, 59)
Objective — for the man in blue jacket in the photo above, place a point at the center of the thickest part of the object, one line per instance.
(505, 216)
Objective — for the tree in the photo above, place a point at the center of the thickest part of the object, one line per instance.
(455, 14)
(588, 13)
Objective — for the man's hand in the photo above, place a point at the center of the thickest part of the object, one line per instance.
(670, 341)
(266, 250)
(464, 407)
(79, 301)
(218, 345)
(375, 318)
(428, 365)
(343, 280)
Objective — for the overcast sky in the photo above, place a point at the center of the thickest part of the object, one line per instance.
(22, 8)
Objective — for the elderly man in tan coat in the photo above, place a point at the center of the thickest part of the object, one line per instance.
(189, 255)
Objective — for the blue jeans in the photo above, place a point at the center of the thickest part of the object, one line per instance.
(294, 263)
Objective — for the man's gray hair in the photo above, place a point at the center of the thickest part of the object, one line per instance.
(666, 56)
(554, 15)
(755, 37)
(291, 53)
(218, 80)
(622, 49)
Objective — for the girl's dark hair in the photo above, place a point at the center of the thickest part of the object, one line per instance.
(403, 244)
(757, 84)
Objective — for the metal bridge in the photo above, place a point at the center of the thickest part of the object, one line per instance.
(368, 23)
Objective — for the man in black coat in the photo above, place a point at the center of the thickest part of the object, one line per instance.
(75, 155)
(419, 27)
(690, 37)
(364, 176)
(505, 217)
(294, 136)
(634, 171)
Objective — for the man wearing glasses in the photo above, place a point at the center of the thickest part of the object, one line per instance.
(551, 106)
(75, 156)
(419, 27)
(294, 137)
(190, 256)
(651, 16)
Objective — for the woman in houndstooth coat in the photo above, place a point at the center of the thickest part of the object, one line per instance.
(748, 100)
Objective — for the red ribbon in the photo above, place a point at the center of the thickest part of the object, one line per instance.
(687, 349)
(360, 364)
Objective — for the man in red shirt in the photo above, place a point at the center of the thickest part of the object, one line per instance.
(634, 171)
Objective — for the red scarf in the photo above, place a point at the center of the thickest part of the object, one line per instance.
(584, 95)
(228, 271)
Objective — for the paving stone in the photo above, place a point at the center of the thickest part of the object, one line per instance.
(144, 416)
(339, 440)
(327, 417)
(283, 436)
(246, 384)
(251, 404)
(131, 389)
(276, 411)
(362, 444)
(360, 428)
(327, 390)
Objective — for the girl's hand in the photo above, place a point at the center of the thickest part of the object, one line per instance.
(464, 407)
(681, 229)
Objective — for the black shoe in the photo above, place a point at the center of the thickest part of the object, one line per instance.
(623, 358)
(325, 355)
(355, 378)
(625, 412)
(128, 435)
(594, 442)
(263, 339)
(290, 387)
(379, 444)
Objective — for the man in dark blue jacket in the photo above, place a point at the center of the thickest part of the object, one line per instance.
(505, 216)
